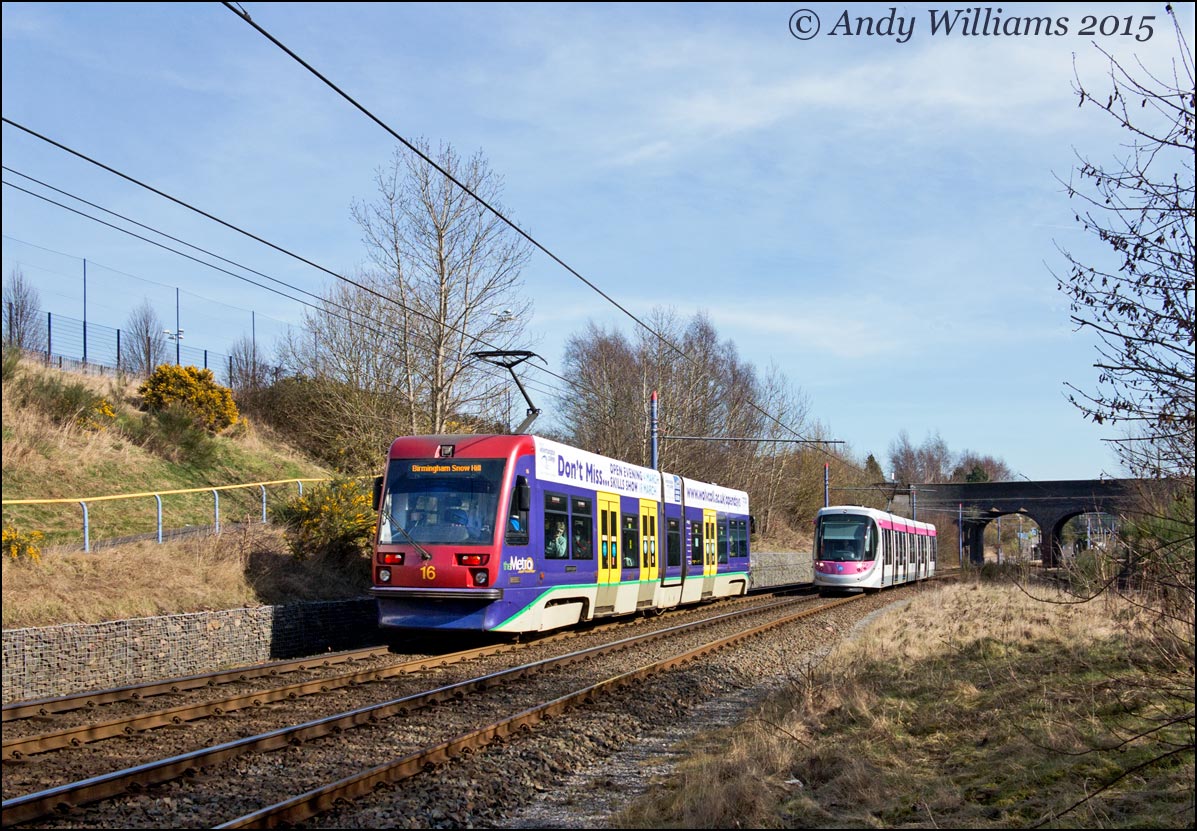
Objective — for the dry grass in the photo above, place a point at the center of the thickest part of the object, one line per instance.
(784, 539)
(245, 566)
(45, 458)
(972, 706)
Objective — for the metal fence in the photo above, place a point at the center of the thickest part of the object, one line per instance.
(67, 343)
(258, 487)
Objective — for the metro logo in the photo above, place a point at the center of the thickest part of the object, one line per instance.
(523, 565)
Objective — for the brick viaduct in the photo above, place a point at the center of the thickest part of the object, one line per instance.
(1049, 504)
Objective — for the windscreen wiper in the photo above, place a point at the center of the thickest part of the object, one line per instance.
(424, 555)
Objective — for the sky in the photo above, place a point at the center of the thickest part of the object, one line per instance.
(880, 216)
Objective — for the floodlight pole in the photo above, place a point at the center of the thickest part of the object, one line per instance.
(655, 461)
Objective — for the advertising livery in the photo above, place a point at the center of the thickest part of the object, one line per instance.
(521, 533)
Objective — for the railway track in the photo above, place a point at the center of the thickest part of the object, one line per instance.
(236, 775)
(196, 696)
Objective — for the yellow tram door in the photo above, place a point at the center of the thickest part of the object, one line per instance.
(608, 512)
(650, 560)
(709, 542)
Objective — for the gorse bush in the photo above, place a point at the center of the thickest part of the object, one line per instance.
(330, 521)
(194, 388)
(22, 546)
(173, 433)
(66, 402)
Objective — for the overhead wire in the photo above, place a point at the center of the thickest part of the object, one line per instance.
(100, 265)
(472, 338)
(323, 307)
(243, 15)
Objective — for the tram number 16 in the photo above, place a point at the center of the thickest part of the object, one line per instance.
(428, 572)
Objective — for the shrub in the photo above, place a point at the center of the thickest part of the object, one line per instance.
(330, 521)
(22, 546)
(194, 388)
(67, 402)
(12, 359)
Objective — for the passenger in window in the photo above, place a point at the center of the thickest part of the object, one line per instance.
(556, 545)
(581, 538)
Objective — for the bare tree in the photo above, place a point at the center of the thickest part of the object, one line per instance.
(144, 346)
(1140, 303)
(443, 281)
(23, 324)
(974, 467)
(929, 462)
(704, 391)
(248, 372)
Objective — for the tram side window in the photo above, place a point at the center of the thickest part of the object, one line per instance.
(673, 542)
(631, 541)
(934, 546)
(696, 543)
(556, 520)
(581, 536)
(721, 536)
(737, 538)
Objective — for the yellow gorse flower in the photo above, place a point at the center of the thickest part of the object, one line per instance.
(21, 545)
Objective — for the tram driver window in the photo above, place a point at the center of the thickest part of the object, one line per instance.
(517, 512)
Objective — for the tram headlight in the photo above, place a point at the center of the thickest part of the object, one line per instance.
(480, 577)
(384, 575)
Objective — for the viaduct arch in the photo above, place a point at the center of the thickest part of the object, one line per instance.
(1050, 504)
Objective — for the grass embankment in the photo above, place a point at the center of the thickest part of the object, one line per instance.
(244, 566)
(972, 706)
(57, 444)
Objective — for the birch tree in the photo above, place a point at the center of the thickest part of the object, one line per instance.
(442, 280)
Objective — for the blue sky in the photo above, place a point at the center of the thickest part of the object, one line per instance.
(879, 219)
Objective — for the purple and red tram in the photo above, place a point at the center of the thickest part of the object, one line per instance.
(863, 548)
(522, 534)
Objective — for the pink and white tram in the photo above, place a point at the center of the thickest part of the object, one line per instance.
(863, 548)
(522, 534)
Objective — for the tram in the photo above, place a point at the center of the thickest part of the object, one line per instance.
(518, 533)
(863, 548)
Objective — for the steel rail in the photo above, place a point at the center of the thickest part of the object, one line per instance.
(33, 744)
(148, 689)
(322, 799)
(41, 803)
(87, 733)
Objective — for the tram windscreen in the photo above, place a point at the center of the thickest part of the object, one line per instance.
(441, 501)
(845, 537)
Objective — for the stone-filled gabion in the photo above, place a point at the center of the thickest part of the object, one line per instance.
(59, 660)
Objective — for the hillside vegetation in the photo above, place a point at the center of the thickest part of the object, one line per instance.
(68, 435)
(72, 436)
